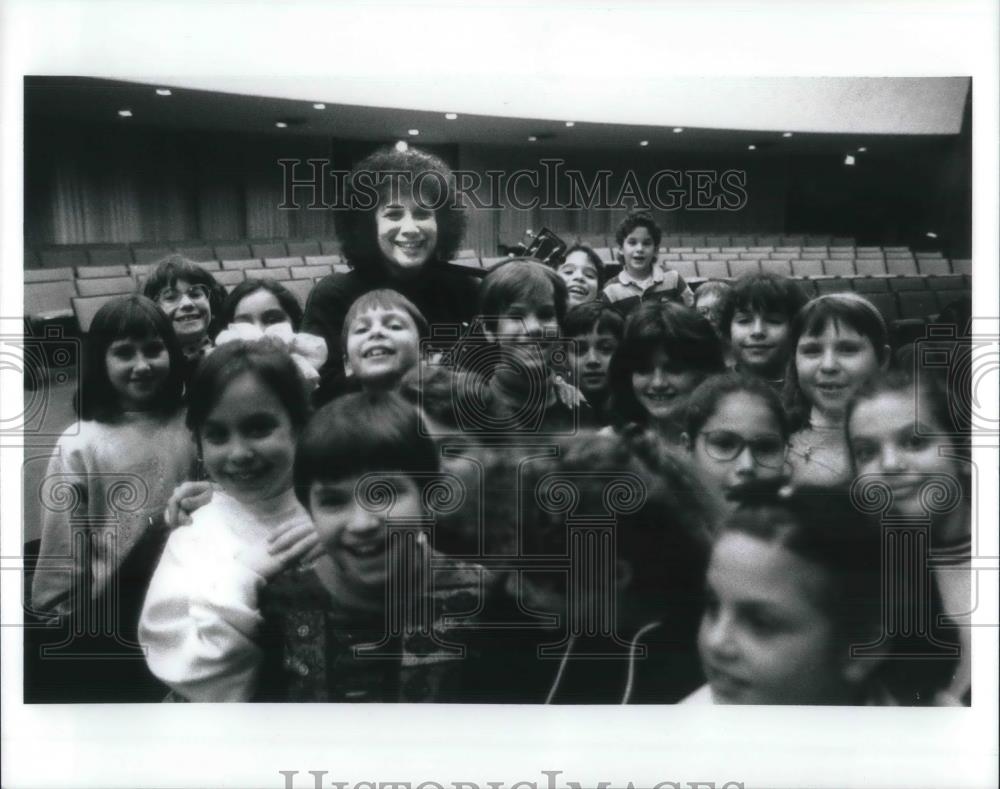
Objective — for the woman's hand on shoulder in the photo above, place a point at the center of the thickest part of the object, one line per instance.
(186, 498)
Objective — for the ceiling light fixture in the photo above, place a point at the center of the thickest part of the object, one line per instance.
(787, 134)
(862, 149)
(163, 92)
(931, 234)
(678, 129)
(319, 106)
(849, 160)
(751, 147)
(532, 138)
(451, 116)
(570, 124)
(281, 124)
(413, 132)
(643, 143)
(125, 113)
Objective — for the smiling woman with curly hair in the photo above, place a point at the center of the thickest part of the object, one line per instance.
(400, 225)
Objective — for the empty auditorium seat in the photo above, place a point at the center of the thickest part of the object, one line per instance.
(930, 254)
(859, 250)
(232, 251)
(242, 264)
(717, 241)
(693, 241)
(150, 254)
(300, 287)
(31, 259)
(590, 239)
(681, 249)
(946, 282)
(310, 272)
(917, 303)
(199, 253)
(229, 278)
(784, 255)
(713, 269)
(792, 241)
(105, 286)
(62, 256)
(267, 273)
(839, 268)
(739, 268)
(870, 267)
(464, 253)
(285, 262)
(795, 250)
(47, 274)
(707, 248)
(211, 265)
(669, 256)
(936, 266)
(268, 249)
(888, 250)
(86, 307)
(733, 249)
(897, 284)
(869, 256)
(946, 297)
(694, 256)
(962, 266)
(818, 241)
(841, 241)
(686, 268)
(44, 301)
(782, 267)
(900, 266)
(670, 241)
(99, 272)
(813, 255)
(768, 241)
(806, 268)
(868, 285)
(329, 246)
(724, 255)
(119, 255)
(840, 254)
(833, 285)
(745, 241)
(302, 248)
(753, 255)
(323, 260)
(761, 249)
(885, 303)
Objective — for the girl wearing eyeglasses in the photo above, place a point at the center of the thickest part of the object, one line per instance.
(192, 299)
(736, 431)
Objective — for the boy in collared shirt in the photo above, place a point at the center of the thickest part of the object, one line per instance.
(641, 280)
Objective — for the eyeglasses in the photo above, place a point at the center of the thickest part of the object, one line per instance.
(171, 297)
(767, 450)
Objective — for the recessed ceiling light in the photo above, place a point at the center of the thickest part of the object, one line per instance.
(862, 149)
(281, 124)
(570, 124)
(125, 113)
(751, 147)
(413, 132)
(532, 138)
(402, 146)
(678, 129)
(931, 234)
(451, 116)
(787, 134)
(643, 143)
(319, 106)
(849, 160)
(163, 92)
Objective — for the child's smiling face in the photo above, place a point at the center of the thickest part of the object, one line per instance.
(382, 345)
(639, 252)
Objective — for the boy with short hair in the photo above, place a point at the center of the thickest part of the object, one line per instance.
(595, 330)
(756, 317)
(638, 237)
(381, 338)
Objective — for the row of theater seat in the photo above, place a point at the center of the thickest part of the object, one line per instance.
(715, 240)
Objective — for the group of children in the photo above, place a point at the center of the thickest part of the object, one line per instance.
(307, 554)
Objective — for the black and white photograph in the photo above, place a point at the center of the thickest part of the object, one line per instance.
(433, 419)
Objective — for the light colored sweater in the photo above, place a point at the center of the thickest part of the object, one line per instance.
(201, 614)
(108, 482)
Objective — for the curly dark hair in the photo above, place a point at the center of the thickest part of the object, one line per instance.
(638, 219)
(368, 186)
(285, 298)
(172, 268)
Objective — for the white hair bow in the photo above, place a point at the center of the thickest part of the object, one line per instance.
(308, 351)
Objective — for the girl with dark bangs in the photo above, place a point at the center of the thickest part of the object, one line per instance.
(393, 237)
(192, 299)
(667, 350)
(840, 342)
(116, 467)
